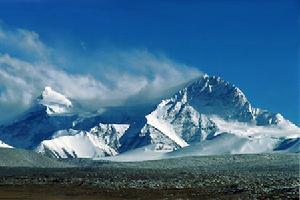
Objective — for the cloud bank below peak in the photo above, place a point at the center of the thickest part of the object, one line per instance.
(108, 78)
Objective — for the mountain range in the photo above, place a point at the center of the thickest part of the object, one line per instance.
(205, 117)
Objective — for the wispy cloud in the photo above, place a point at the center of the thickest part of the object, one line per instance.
(23, 43)
(109, 78)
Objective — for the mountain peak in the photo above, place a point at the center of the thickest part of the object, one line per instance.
(48, 88)
(214, 96)
(54, 101)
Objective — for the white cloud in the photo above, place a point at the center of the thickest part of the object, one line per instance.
(112, 78)
(23, 43)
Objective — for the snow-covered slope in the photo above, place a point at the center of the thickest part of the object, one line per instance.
(148, 152)
(227, 143)
(100, 141)
(3, 145)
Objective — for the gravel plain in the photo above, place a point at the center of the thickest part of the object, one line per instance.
(263, 176)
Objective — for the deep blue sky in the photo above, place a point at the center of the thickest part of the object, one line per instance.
(251, 43)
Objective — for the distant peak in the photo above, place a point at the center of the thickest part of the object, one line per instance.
(54, 101)
(48, 91)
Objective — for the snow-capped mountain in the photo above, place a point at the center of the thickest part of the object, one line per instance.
(212, 116)
(54, 102)
(50, 112)
(214, 96)
(207, 116)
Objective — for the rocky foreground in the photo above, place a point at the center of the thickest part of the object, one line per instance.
(265, 176)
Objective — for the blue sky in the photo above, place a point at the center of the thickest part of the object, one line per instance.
(251, 43)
